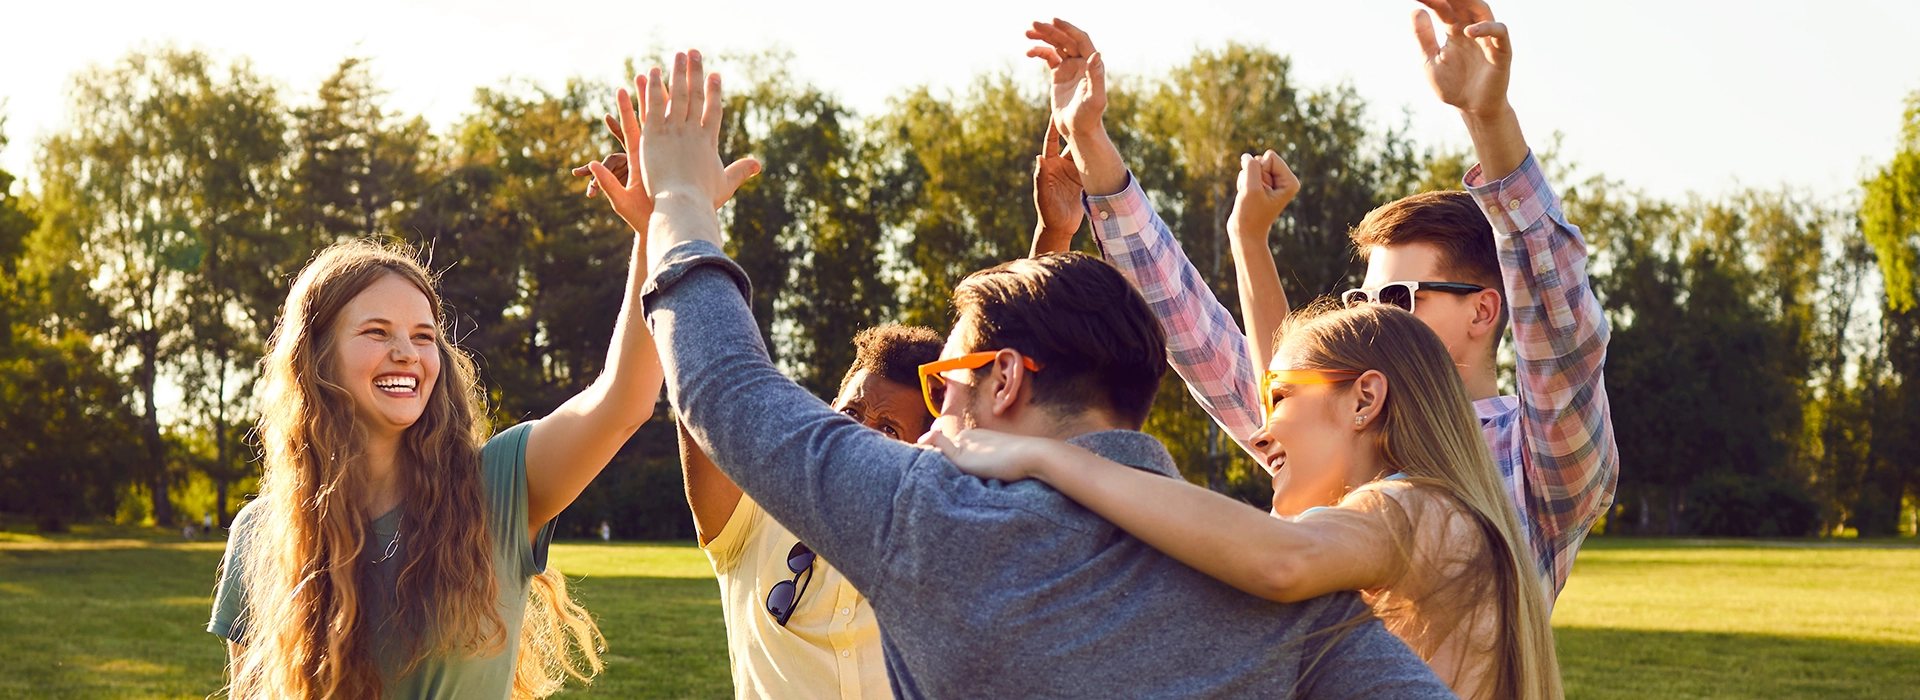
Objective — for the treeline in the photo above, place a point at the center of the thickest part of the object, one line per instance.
(1757, 369)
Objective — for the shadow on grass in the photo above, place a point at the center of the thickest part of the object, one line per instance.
(1615, 663)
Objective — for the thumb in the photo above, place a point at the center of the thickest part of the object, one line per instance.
(1097, 75)
(1249, 180)
(738, 172)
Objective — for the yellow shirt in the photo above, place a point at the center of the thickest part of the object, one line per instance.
(830, 647)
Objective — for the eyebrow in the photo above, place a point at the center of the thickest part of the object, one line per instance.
(377, 319)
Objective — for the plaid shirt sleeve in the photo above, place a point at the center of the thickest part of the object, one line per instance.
(1568, 461)
(1204, 345)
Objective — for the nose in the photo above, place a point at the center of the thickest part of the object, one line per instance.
(1264, 443)
(401, 350)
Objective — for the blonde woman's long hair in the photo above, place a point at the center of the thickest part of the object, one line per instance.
(304, 578)
(1427, 431)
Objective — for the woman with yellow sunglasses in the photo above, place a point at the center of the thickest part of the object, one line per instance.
(1382, 484)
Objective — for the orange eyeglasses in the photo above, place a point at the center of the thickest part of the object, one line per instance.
(1303, 376)
(933, 386)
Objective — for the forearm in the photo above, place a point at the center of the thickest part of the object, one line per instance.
(710, 494)
(1263, 302)
(827, 479)
(1221, 537)
(1102, 171)
(1497, 140)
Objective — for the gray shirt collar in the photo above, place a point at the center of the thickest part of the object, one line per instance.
(1130, 447)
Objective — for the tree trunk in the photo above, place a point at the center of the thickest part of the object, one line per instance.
(150, 433)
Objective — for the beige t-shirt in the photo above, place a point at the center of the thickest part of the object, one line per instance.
(830, 646)
(1444, 599)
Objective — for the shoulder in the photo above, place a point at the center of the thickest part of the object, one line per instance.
(507, 447)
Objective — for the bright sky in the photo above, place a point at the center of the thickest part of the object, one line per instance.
(1670, 95)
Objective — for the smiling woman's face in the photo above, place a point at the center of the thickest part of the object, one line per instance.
(385, 356)
(1306, 445)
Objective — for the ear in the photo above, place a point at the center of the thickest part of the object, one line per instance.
(1010, 383)
(1486, 315)
(1370, 398)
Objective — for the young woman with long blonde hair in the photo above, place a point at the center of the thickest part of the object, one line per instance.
(1382, 484)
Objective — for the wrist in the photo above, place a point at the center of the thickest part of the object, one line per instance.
(1244, 231)
(1488, 116)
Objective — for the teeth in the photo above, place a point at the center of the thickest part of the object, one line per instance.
(395, 383)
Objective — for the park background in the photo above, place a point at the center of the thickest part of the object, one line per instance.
(1756, 257)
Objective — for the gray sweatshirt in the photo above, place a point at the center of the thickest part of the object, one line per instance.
(984, 588)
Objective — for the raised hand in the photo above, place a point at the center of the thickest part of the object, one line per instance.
(1470, 71)
(683, 135)
(624, 189)
(1266, 187)
(616, 162)
(1079, 77)
(1056, 196)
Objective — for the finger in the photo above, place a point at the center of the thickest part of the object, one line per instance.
(710, 116)
(582, 171)
(1082, 44)
(656, 99)
(677, 101)
(1493, 41)
(605, 179)
(1097, 75)
(617, 163)
(1053, 35)
(629, 131)
(1423, 31)
(1053, 140)
(1046, 53)
(1441, 9)
(1249, 178)
(697, 87)
(613, 126)
(738, 172)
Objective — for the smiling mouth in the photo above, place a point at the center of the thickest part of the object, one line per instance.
(397, 385)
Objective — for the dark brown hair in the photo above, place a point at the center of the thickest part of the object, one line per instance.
(1097, 340)
(895, 352)
(1452, 223)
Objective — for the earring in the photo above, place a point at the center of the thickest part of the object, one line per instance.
(1359, 419)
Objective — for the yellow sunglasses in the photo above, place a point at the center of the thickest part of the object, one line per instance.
(933, 387)
(1302, 376)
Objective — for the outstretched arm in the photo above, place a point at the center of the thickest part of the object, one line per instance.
(1266, 187)
(1204, 345)
(1255, 552)
(568, 448)
(1568, 462)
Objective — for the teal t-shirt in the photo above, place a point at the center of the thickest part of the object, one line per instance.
(517, 558)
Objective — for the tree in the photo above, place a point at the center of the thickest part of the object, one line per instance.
(154, 141)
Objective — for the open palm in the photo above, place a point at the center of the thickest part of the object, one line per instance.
(1471, 70)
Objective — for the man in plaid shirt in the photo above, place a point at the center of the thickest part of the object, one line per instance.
(1506, 235)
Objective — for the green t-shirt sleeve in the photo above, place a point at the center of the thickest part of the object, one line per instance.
(503, 465)
(230, 593)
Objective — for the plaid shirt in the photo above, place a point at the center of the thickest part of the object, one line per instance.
(1553, 443)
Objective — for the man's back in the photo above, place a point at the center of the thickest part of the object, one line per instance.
(1012, 590)
(985, 589)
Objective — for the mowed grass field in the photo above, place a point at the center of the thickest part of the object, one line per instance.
(119, 613)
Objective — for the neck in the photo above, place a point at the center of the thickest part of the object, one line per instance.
(383, 474)
(1069, 427)
(1481, 383)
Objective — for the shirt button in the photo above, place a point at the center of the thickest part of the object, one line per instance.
(846, 611)
(846, 653)
(1103, 215)
(1513, 205)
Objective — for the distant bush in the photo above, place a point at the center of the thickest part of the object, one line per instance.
(1735, 506)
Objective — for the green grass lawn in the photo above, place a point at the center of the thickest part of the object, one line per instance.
(119, 612)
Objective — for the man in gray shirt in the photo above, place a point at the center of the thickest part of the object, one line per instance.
(982, 589)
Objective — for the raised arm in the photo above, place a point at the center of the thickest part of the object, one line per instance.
(828, 479)
(710, 494)
(1204, 345)
(1056, 197)
(568, 448)
(1266, 186)
(1255, 552)
(1568, 455)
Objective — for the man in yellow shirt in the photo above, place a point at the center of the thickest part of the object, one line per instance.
(795, 627)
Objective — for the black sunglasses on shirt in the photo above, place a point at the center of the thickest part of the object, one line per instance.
(784, 597)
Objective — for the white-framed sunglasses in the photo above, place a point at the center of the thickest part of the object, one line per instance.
(1401, 294)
